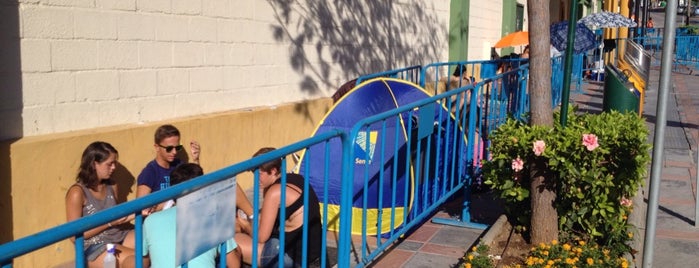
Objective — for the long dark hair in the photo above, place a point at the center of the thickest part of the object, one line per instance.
(98, 152)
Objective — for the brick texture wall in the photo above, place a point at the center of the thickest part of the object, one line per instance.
(81, 64)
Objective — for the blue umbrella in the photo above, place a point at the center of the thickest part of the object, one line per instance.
(584, 38)
(606, 19)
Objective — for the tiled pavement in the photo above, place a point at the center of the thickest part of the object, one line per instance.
(677, 238)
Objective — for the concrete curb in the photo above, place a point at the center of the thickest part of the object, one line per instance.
(494, 230)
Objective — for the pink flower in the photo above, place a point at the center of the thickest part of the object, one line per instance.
(539, 147)
(625, 202)
(590, 141)
(517, 164)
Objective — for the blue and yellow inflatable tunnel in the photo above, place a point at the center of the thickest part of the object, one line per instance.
(367, 99)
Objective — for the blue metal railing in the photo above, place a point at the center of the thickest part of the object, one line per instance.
(424, 116)
(22, 246)
(411, 74)
(441, 156)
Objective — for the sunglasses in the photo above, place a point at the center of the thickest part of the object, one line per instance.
(169, 148)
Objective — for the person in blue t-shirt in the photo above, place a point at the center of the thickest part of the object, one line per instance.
(156, 175)
(160, 232)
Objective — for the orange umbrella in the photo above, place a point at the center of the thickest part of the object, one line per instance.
(514, 39)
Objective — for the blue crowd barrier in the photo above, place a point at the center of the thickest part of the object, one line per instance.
(435, 153)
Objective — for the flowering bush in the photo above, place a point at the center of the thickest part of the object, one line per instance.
(575, 254)
(598, 160)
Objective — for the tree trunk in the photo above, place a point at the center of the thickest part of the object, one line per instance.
(544, 222)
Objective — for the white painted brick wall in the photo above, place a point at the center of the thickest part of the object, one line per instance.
(132, 26)
(217, 8)
(72, 3)
(205, 79)
(94, 25)
(36, 55)
(188, 54)
(133, 61)
(46, 22)
(202, 29)
(158, 6)
(486, 28)
(155, 54)
(118, 55)
(171, 28)
(128, 5)
(172, 81)
(124, 111)
(35, 86)
(74, 55)
(186, 7)
(140, 83)
(95, 86)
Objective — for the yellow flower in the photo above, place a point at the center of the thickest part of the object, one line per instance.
(566, 247)
(630, 235)
(624, 265)
(530, 261)
(554, 242)
(542, 245)
(546, 252)
(570, 261)
(581, 243)
(470, 257)
(590, 261)
(467, 265)
(474, 248)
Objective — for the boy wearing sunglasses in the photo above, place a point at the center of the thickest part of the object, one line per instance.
(156, 175)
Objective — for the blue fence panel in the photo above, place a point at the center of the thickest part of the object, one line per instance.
(19, 247)
(446, 138)
(687, 50)
(411, 74)
(435, 158)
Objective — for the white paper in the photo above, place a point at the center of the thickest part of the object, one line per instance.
(205, 219)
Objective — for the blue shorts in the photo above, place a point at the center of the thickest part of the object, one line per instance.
(94, 251)
(270, 255)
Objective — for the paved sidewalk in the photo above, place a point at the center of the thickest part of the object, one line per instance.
(677, 238)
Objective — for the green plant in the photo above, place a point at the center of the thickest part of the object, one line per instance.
(599, 161)
(688, 30)
(478, 257)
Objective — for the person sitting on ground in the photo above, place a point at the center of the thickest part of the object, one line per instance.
(93, 192)
(155, 175)
(160, 231)
(343, 90)
(269, 220)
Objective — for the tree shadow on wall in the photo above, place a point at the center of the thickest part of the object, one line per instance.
(356, 38)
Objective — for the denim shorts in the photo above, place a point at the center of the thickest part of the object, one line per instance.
(270, 255)
(94, 251)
